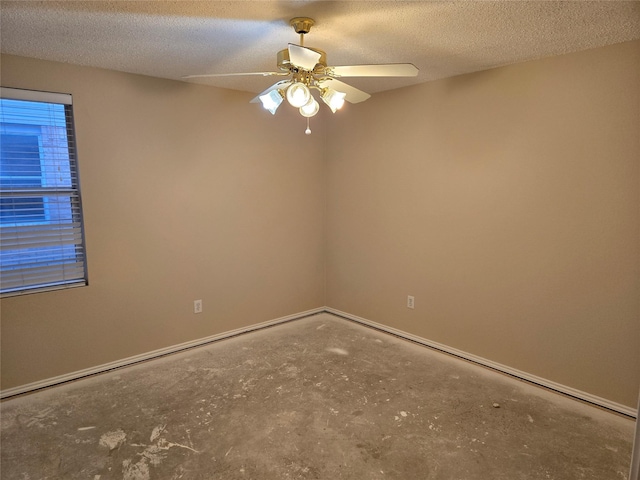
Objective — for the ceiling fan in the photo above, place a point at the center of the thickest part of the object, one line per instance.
(307, 70)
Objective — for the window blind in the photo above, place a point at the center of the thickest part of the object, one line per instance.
(41, 228)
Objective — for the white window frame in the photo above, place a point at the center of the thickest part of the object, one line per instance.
(43, 255)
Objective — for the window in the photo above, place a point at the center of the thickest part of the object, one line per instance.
(41, 229)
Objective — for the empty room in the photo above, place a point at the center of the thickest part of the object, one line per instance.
(320, 240)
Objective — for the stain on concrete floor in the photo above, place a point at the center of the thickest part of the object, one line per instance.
(317, 398)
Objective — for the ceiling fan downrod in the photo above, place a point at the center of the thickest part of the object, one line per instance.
(302, 25)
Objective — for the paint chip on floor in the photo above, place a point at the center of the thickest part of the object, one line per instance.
(113, 440)
(339, 351)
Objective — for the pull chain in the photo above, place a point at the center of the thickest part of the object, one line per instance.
(308, 130)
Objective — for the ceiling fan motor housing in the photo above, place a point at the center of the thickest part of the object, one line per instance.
(284, 62)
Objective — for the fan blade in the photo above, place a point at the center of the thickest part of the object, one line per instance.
(353, 94)
(262, 74)
(303, 57)
(382, 70)
(275, 86)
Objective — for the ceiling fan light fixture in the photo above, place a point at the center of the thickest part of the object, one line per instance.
(272, 100)
(310, 109)
(333, 99)
(298, 95)
(306, 69)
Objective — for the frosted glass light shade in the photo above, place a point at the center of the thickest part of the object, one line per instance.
(271, 100)
(298, 95)
(333, 98)
(310, 109)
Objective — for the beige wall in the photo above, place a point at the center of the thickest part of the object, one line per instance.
(189, 193)
(507, 202)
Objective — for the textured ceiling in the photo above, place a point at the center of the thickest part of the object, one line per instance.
(170, 39)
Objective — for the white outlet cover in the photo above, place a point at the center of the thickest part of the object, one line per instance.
(197, 306)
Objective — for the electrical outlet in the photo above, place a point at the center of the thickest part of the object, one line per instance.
(410, 301)
(197, 306)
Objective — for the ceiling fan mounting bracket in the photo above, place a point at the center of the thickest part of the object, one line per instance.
(302, 25)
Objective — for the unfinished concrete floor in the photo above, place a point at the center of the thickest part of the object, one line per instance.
(317, 398)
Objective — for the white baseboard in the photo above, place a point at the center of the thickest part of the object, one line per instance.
(10, 392)
(572, 392)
